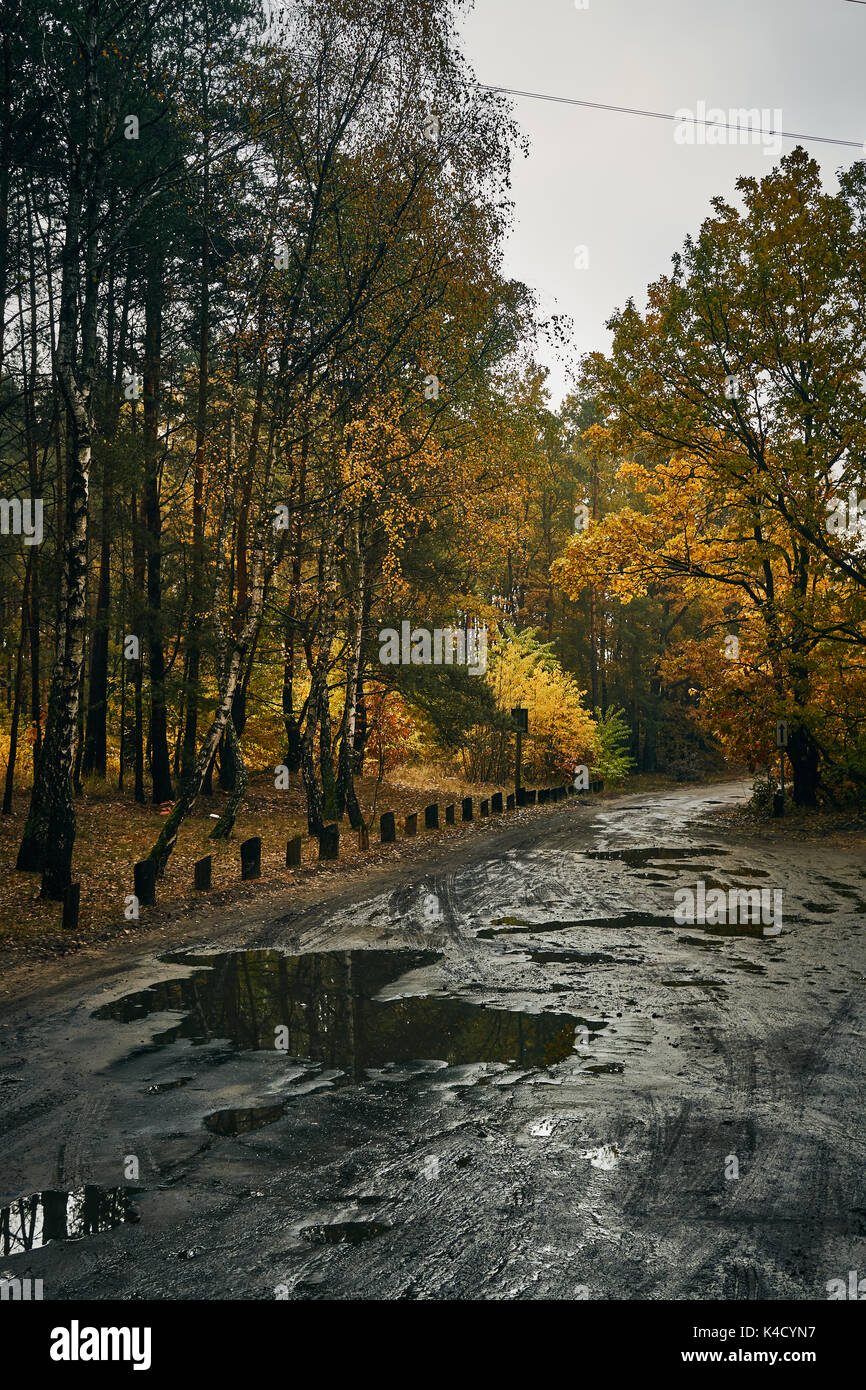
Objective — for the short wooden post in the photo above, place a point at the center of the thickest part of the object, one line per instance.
(485, 807)
(496, 803)
(412, 825)
(329, 842)
(251, 857)
(71, 905)
(387, 828)
(293, 852)
(467, 808)
(449, 814)
(509, 802)
(144, 878)
(363, 837)
(202, 872)
(431, 817)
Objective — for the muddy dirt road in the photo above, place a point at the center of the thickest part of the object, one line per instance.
(508, 1074)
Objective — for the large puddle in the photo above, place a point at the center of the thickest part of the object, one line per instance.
(85, 1211)
(323, 1007)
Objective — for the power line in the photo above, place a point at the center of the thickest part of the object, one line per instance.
(664, 115)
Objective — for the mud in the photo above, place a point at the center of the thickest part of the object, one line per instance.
(502, 1071)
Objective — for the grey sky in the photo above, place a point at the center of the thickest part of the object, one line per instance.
(619, 184)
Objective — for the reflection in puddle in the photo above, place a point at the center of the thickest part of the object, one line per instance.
(242, 1121)
(323, 1007)
(32, 1221)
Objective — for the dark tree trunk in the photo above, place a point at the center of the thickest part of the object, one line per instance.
(160, 765)
(96, 738)
(49, 834)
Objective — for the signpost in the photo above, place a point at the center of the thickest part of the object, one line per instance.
(521, 724)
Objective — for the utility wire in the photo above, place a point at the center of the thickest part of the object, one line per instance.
(664, 116)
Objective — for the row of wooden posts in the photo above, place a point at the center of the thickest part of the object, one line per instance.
(144, 873)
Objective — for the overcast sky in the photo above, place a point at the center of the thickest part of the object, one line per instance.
(620, 185)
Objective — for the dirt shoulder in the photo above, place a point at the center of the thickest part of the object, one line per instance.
(41, 965)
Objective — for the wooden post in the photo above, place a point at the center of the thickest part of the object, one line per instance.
(431, 817)
(387, 828)
(467, 808)
(363, 837)
(329, 842)
(496, 803)
(251, 858)
(485, 807)
(509, 802)
(202, 871)
(144, 878)
(293, 852)
(449, 814)
(71, 905)
(412, 825)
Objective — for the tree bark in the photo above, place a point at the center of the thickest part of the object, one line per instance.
(160, 765)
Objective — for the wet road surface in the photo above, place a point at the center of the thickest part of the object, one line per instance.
(512, 1073)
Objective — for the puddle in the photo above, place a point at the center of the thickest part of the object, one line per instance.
(575, 958)
(606, 1157)
(323, 1007)
(709, 986)
(628, 919)
(32, 1222)
(543, 1129)
(159, 1086)
(242, 1121)
(343, 1232)
(751, 929)
(641, 858)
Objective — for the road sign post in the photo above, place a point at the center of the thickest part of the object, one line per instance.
(521, 724)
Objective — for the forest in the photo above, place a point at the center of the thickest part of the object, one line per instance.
(267, 396)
